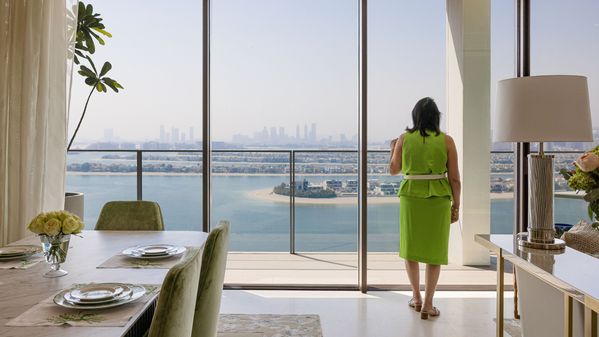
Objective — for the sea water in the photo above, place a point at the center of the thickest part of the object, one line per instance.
(263, 225)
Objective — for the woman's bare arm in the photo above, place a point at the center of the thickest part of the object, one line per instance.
(395, 161)
(453, 172)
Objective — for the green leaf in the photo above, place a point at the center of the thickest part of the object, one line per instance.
(101, 87)
(111, 86)
(81, 10)
(592, 195)
(83, 70)
(90, 44)
(91, 63)
(105, 68)
(89, 10)
(97, 37)
(91, 81)
(102, 31)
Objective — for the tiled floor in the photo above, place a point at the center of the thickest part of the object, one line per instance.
(378, 313)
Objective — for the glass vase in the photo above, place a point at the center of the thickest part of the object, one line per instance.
(55, 251)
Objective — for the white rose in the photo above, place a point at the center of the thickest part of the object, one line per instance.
(52, 227)
(37, 225)
(70, 226)
(63, 215)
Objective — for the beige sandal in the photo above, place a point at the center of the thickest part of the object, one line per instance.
(434, 312)
(413, 304)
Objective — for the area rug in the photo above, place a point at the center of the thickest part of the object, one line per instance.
(238, 325)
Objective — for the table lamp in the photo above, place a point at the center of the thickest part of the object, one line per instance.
(541, 109)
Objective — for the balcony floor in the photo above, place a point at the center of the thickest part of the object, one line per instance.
(385, 270)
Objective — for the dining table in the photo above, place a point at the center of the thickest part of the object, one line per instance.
(21, 289)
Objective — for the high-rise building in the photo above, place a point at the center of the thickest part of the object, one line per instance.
(183, 138)
(162, 134)
(174, 135)
(306, 132)
(191, 140)
(297, 131)
(313, 133)
(273, 134)
(282, 135)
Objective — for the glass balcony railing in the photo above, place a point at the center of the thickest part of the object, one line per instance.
(302, 216)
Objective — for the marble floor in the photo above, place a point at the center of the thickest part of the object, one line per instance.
(378, 313)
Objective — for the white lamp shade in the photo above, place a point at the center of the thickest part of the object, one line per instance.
(543, 109)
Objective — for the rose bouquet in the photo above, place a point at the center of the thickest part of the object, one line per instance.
(54, 230)
(55, 223)
(585, 177)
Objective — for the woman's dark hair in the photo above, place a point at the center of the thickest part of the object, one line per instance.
(425, 117)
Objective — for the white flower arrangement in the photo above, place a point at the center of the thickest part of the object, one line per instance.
(55, 223)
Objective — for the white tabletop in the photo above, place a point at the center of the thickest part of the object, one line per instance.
(22, 289)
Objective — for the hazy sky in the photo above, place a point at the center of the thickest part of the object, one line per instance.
(287, 62)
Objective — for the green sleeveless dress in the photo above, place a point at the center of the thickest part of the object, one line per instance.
(425, 205)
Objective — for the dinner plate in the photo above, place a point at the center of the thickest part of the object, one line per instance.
(97, 292)
(11, 251)
(17, 257)
(137, 291)
(125, 293)
(136, 252)
(153, 250)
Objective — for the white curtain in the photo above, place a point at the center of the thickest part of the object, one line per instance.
(35, 63)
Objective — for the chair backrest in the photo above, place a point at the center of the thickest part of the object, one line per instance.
(174, 312)
(214, 262)
(130, 215)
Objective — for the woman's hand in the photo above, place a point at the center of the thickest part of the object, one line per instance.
(455, 213)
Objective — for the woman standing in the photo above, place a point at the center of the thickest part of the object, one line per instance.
(429, 199)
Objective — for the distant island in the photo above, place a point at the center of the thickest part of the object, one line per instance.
(316, 192)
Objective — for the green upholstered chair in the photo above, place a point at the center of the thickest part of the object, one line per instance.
(174, 314)
(130, 215)
(214, 262)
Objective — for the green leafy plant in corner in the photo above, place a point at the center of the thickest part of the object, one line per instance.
(89, 29)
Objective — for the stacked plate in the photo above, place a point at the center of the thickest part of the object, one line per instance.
(99, 295)
(154, 251)
(17, 252)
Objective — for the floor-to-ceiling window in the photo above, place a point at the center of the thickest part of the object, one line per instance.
(283, 117)
(406, 63)
(565, 40)
(503, 59)
(155, 52)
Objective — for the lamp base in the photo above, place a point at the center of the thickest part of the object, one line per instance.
(524, 241)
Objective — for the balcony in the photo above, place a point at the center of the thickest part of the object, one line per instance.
(285, 239)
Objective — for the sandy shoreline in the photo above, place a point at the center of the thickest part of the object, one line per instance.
(268, 195)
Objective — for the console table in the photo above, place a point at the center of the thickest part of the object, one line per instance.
(572, 273)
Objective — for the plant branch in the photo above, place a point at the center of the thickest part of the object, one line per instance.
(82, 115)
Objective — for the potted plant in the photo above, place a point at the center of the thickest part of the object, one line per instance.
(89, 30)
